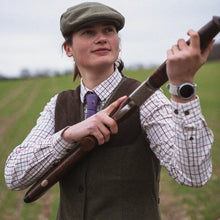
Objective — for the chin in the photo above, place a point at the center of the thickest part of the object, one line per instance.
(104, 63)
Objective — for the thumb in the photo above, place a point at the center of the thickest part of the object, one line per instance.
(108, 110)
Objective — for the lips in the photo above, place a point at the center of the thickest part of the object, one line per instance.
(101, 50)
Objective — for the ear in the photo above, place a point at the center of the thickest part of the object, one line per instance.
(68, 50)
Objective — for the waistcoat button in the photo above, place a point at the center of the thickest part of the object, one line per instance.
(81, 189)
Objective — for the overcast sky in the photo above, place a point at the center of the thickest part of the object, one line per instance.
(30, 36)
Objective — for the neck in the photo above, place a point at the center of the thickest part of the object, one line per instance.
(92, 78)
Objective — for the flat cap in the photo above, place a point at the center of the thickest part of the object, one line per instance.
(89, 12)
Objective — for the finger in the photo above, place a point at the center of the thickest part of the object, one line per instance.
(105, 132)
(112, 126)
(169, 53)
(99, 132)
(109, 123)
(103, 120)
(114, 105)
(194, 39)
(99, 137)
(182, 44)
(175, 49)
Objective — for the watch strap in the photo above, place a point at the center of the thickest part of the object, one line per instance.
(172, 89)
(184, 91)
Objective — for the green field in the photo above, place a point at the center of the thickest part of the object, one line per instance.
(21, 101)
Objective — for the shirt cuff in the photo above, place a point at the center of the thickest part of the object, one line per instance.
(187, 112)
(61, 147)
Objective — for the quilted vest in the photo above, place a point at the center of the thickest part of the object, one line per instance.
(116, 181)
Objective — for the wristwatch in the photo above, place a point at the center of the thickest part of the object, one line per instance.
(184, 91)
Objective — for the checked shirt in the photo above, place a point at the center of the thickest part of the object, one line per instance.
(178, 135)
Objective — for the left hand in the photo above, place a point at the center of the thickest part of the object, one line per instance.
(184, 60)
(100, 125)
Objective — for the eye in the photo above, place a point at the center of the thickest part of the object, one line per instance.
(109, 29)
(88, 32)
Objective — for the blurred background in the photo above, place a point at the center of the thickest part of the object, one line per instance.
(30, 39)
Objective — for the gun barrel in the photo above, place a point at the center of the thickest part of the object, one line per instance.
(155, 81)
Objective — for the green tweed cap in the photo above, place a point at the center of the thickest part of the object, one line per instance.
(89, 12)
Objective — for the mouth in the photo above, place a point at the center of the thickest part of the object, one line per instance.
(101, 50)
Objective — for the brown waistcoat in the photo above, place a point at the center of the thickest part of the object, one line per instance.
(116, 181)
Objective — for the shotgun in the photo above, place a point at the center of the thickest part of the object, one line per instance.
(133, 101)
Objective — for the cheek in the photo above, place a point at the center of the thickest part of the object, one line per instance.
(115, 45)
(80, 49)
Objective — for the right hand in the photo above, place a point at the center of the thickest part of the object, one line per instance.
(183, 61)
(100, 125)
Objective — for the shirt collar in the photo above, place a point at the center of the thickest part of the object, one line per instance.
(104, 89)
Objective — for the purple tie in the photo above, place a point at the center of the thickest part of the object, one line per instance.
(92, 101)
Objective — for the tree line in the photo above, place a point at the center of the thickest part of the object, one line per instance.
(26, 73)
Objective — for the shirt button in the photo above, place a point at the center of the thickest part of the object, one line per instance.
(68, 150)
(81, 189)
(186, 112)
(191, 138)
(176, 111)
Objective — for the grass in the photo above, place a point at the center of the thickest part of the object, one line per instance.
(21, 101)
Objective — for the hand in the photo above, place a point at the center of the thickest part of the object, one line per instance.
(100, 125)
(184, 60)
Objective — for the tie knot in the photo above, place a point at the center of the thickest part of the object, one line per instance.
(91, 101)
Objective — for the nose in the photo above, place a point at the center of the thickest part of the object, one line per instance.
(101, 38)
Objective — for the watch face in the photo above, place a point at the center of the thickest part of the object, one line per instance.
(186, 91)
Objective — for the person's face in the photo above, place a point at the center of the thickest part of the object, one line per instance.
(95, 45)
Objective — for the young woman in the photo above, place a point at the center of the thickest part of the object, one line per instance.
(119, 179)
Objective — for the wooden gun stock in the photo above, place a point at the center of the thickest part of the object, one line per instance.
(155, 81)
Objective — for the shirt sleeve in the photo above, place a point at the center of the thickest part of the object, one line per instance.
(41, 149)
(179, 137)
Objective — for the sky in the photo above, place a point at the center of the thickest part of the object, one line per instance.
(30, 36)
